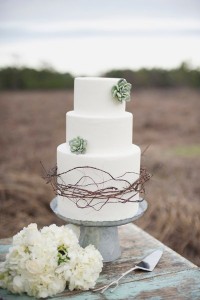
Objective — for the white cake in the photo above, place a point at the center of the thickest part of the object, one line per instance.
(100, 120)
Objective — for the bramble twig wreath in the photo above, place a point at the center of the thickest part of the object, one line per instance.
(87, 192)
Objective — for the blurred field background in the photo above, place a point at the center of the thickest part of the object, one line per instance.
(166, 120)
(155, 45)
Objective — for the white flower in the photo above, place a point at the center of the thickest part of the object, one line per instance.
(34, 266)
(41, 263)
(74, 228)
(18, 283)
(60, 235)
(29, 236)
(86, 269)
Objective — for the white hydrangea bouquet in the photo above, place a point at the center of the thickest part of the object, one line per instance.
(44, 262)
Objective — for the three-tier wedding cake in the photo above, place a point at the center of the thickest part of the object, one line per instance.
(98, 164)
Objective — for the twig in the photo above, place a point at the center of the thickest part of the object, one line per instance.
(99, 193)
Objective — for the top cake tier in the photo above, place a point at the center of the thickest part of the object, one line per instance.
(93, 95)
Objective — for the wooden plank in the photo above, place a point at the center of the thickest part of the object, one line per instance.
(172, 275)
(179, 285)
(134, 242)
(6, 241)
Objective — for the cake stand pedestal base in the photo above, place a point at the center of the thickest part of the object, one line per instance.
(105, 239)
(103, 235)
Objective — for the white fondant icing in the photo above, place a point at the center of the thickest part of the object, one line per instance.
(116, 165)
(93, 96)
(102, 121)
(109, 212)
(103, 134)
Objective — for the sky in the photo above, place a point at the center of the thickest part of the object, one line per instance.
(90, 37)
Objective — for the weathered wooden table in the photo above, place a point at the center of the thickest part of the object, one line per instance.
(173, 278)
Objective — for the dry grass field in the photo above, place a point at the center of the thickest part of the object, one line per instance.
(168, 121)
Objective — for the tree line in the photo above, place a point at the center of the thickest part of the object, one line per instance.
(12, 78)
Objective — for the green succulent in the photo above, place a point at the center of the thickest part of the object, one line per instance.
(122, 91)
(78, 145)
(62, 254)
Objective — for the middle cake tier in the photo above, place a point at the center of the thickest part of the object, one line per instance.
(103, 134)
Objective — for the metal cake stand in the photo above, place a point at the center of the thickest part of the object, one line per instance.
(103, 235)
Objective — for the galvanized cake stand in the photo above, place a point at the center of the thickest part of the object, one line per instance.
(103, 235)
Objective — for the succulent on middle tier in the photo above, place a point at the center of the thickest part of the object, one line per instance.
(78, 145)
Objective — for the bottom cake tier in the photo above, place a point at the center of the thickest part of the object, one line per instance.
(97, 187)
